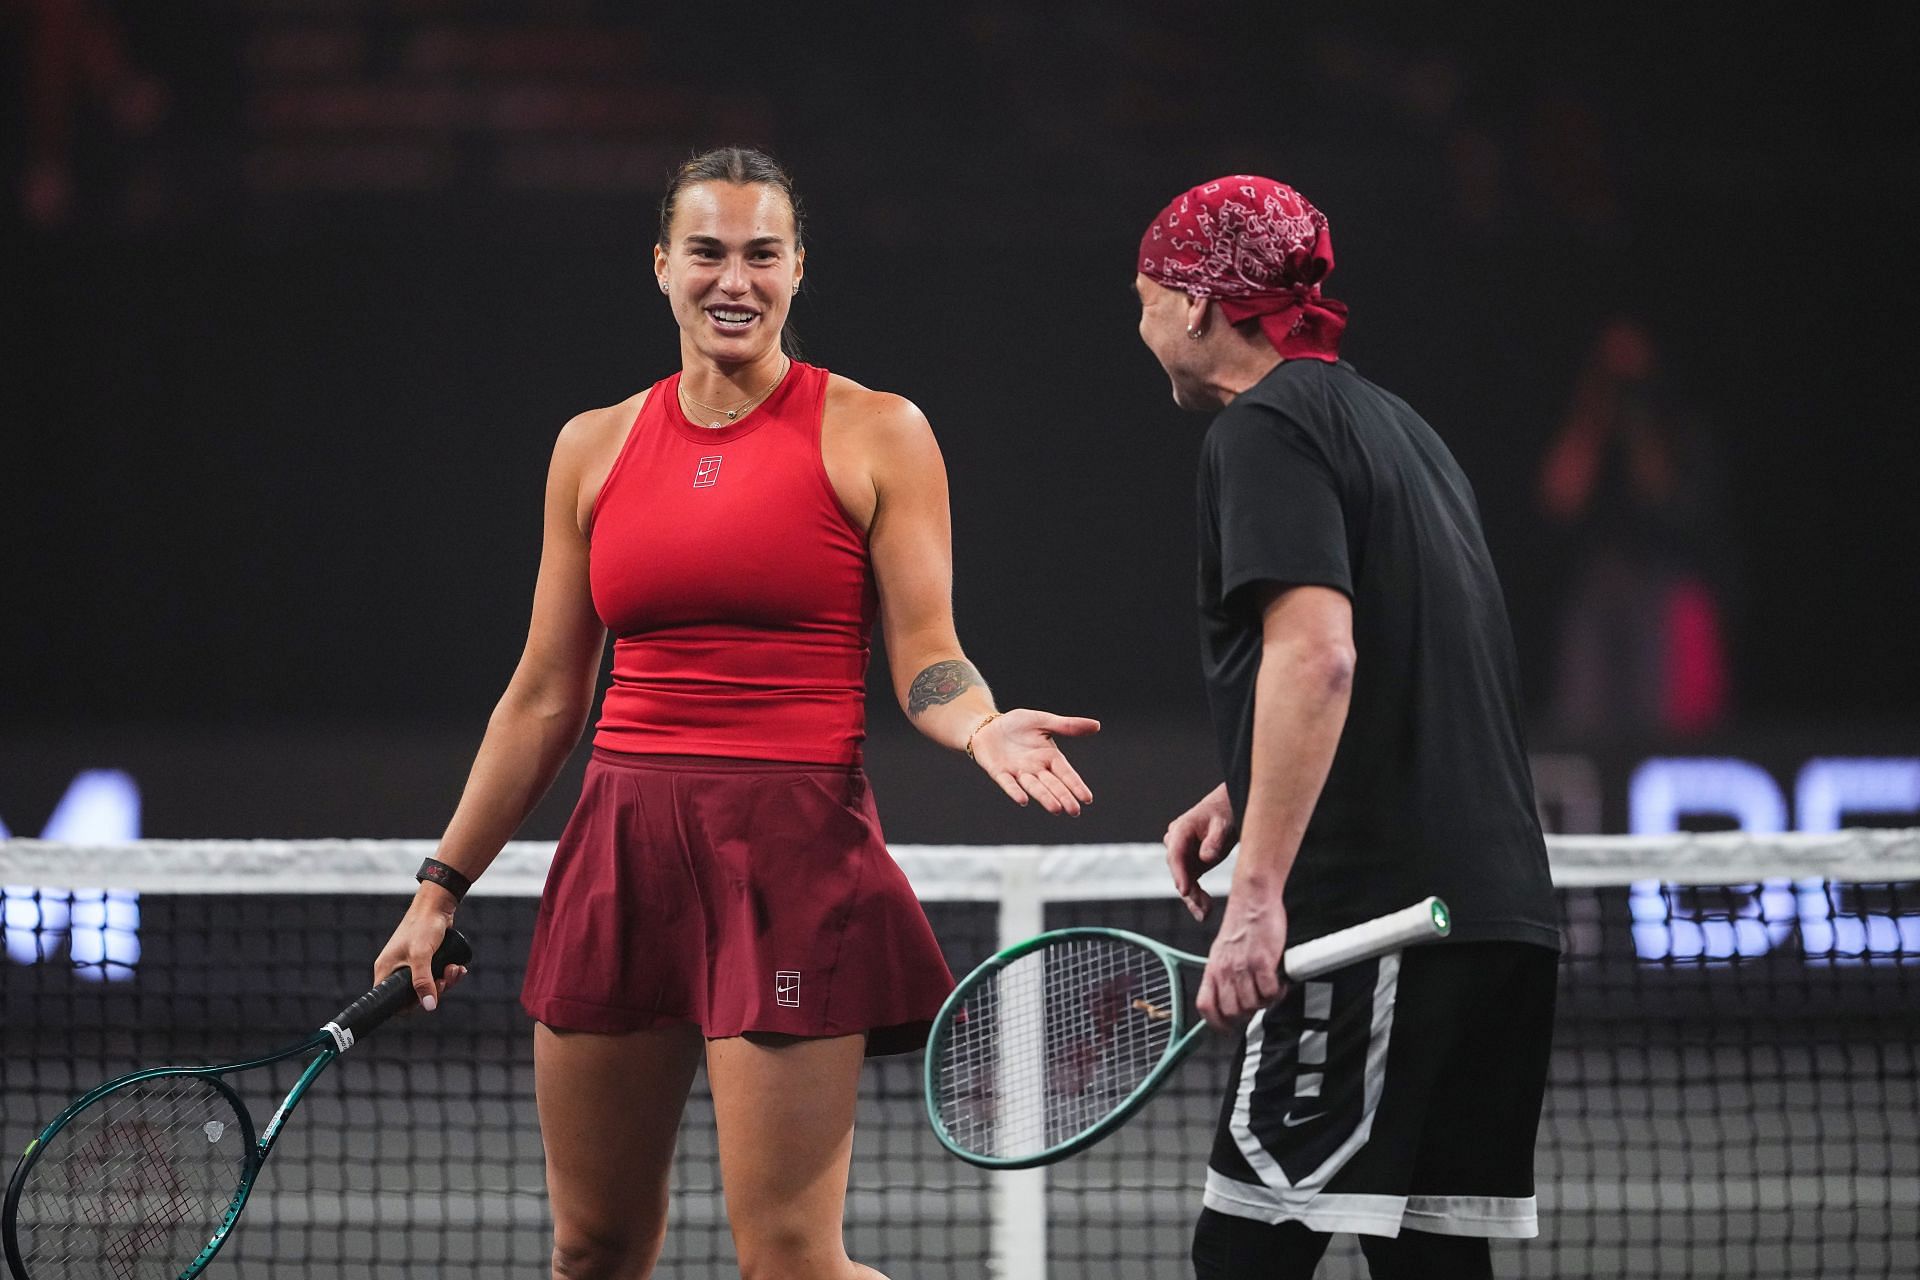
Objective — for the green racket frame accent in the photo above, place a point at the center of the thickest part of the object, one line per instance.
(1187, 1030)
(1425, 921)
(366, 1013)
(258, 1148)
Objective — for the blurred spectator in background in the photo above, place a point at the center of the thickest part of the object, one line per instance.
(75, 56)
(1642, 643)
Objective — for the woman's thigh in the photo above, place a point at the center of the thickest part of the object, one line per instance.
(785, 1107)
(609, 1112)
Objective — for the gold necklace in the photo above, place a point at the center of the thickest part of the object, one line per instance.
(741, 407)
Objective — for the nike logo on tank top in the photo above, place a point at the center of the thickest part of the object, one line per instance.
(740, 594)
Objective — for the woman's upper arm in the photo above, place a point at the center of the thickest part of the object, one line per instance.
(911, 538)
(565, 637)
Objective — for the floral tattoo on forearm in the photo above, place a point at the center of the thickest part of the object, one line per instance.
(940, 683)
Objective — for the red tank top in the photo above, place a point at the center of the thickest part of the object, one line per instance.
(739, 591)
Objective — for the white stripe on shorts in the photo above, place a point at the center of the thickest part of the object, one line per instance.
(1386, 990)
(1494, 1217)
(1499, 1217)
(1316, 1210)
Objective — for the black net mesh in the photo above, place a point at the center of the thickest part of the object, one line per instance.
(1733, 1094)
(419, 1151)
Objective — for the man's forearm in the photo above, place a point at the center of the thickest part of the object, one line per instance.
(1299, 709)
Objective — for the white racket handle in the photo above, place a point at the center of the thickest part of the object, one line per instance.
(1426, 921)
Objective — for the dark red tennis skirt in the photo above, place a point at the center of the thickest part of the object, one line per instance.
(737, 895)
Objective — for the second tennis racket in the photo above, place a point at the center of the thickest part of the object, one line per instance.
(1055, 1042)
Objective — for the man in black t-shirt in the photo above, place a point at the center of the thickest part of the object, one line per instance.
(1362, 680)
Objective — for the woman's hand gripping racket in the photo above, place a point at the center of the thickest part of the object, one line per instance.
(1054, 1043)
(145, 1176)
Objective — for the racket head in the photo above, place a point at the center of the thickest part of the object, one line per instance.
(1054, 1043)
(141, 1177)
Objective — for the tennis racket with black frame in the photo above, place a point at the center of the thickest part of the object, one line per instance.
(1057, 1041)
(146, 1175)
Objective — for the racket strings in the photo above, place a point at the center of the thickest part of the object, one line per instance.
(1050, 1045)
(134, 1185)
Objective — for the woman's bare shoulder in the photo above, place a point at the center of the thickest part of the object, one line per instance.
(885, 435)
(879, 416)
(595, 429)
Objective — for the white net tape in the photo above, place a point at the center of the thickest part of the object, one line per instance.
(940, 873)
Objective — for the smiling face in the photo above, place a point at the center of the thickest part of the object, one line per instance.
(1166, 316)
(730, 269)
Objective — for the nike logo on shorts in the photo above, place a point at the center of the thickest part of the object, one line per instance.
(1292, 1121)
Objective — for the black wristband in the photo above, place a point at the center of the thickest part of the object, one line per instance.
(445, 876)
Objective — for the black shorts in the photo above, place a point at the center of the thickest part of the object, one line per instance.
(1399, 1093)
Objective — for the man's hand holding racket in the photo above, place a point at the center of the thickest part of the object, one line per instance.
(1243, 966)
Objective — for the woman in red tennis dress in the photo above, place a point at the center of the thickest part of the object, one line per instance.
(722, 889)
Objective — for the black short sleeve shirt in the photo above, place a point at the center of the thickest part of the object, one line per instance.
(1317, 477)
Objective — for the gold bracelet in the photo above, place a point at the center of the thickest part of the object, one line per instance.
(977, 728)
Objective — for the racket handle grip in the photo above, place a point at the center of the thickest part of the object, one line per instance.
(394, 993)
(1424, 921)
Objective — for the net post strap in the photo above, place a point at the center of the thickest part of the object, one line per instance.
(1019, 1195)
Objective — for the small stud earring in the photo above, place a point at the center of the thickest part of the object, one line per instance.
(1193, 333)
(663, 286)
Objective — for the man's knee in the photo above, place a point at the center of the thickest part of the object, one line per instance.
(1230, 1248)
(1422, 1255)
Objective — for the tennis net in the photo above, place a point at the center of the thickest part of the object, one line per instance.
(1734, 1088)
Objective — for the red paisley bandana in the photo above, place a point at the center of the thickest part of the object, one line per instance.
(1260, 251)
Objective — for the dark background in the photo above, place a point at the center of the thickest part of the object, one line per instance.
(283, 367)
